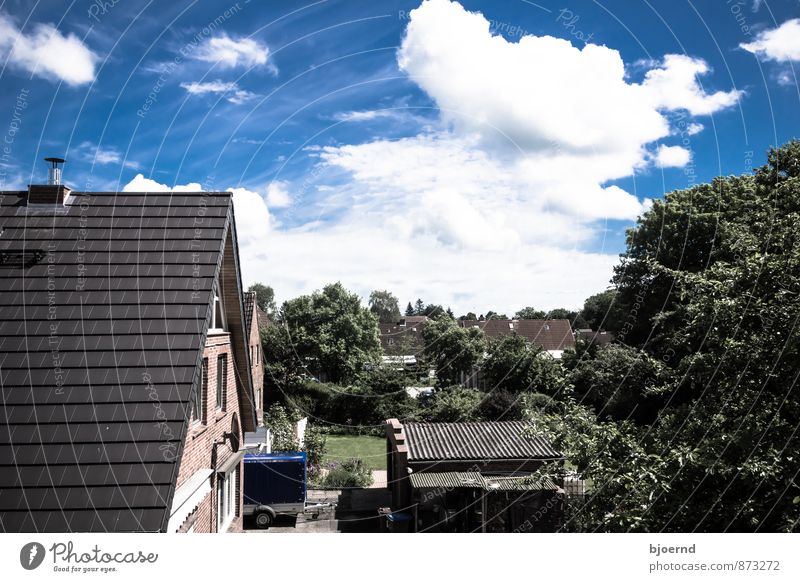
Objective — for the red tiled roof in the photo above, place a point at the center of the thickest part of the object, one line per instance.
(550, 334)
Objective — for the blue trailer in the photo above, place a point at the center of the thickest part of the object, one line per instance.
(275, 483)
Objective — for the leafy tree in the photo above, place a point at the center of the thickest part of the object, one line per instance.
(280, 421)
(515, 365)
(500, 404)
(530, 313)
(331, 332)
(603, 311)
(385, 306)
(492, 315)
(452, 349)
(469, 317)
(433, 310)
(419, 307)
(409, 309)
(283, 366)
(452, 404)
(709, 281)
(621, 382)
(265, 297)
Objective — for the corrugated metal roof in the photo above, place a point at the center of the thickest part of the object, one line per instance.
(100, 344)
(475, 441)
(474, 480)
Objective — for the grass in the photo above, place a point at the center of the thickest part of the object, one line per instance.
(372, 450)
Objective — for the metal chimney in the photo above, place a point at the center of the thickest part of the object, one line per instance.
(54, 171)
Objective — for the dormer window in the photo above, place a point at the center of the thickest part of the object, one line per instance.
(218, 314)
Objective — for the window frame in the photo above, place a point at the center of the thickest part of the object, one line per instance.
(222, 382)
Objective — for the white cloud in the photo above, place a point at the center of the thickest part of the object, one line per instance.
(368, 115)
(673, 86)
(495, 206)
(780, 44)
(278, 195)
(694, 128)
(141, 184)
(45, 52)
(672, 156)
(231, 90)
(229, 52)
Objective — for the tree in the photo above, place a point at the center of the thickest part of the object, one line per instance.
(470, 316)
(331, 333)
(452, 404)
(385, 306)
(280, 421)
(265, 297)
(492, 315)
(709, 282)
(603, 311)
(419, 307)
(621, 382)
(514, 365)
(433, 310)
(452, 349)
(530, 313)
(409, 309)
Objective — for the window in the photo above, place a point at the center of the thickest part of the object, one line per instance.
(200, 396)
(217, 314)
(222, 381)
(227, 502)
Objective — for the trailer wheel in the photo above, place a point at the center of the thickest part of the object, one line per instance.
(263, 519)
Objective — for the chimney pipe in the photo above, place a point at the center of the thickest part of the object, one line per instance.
(54, 171)
(54, 192)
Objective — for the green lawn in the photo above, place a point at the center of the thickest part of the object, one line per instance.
(372, 450)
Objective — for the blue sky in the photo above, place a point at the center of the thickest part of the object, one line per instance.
(483, 155)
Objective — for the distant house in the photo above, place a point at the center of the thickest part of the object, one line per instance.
(595, 338)
(253, 334)
(125, 365)
(552, 335)
(472, 477)
(402, 342)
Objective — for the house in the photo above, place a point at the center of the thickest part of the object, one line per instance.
(599, 338)
(402, 342)
(124, 363)
(253, 334)
(552, 335)
(473, 477)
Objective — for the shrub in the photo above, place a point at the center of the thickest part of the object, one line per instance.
(348, 473)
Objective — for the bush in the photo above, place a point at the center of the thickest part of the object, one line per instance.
(453, 404)
(348, 473)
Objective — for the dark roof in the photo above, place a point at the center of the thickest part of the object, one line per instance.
(248, 304)
(598, 338)
(400, 339)
(550, 334)
(467, 441)
(476, 480)
(101, 338)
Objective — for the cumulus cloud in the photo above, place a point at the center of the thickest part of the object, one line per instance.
(231, 90)
(672, 156)
(141, 184)
(278, 195)
(780, 44)
(230, 52)
(45, 52)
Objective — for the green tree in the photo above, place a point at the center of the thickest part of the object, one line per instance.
(419, 307)
(385, 306)
(265, 297)
(603, 311)
(452, 404)
(621, 382)
(515, 365)
(409, 309)
(331, 333)
(530, 313)
(452, 349)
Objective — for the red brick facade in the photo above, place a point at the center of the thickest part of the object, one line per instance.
(197, 452)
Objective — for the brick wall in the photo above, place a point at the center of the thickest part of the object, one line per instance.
(200, 436)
